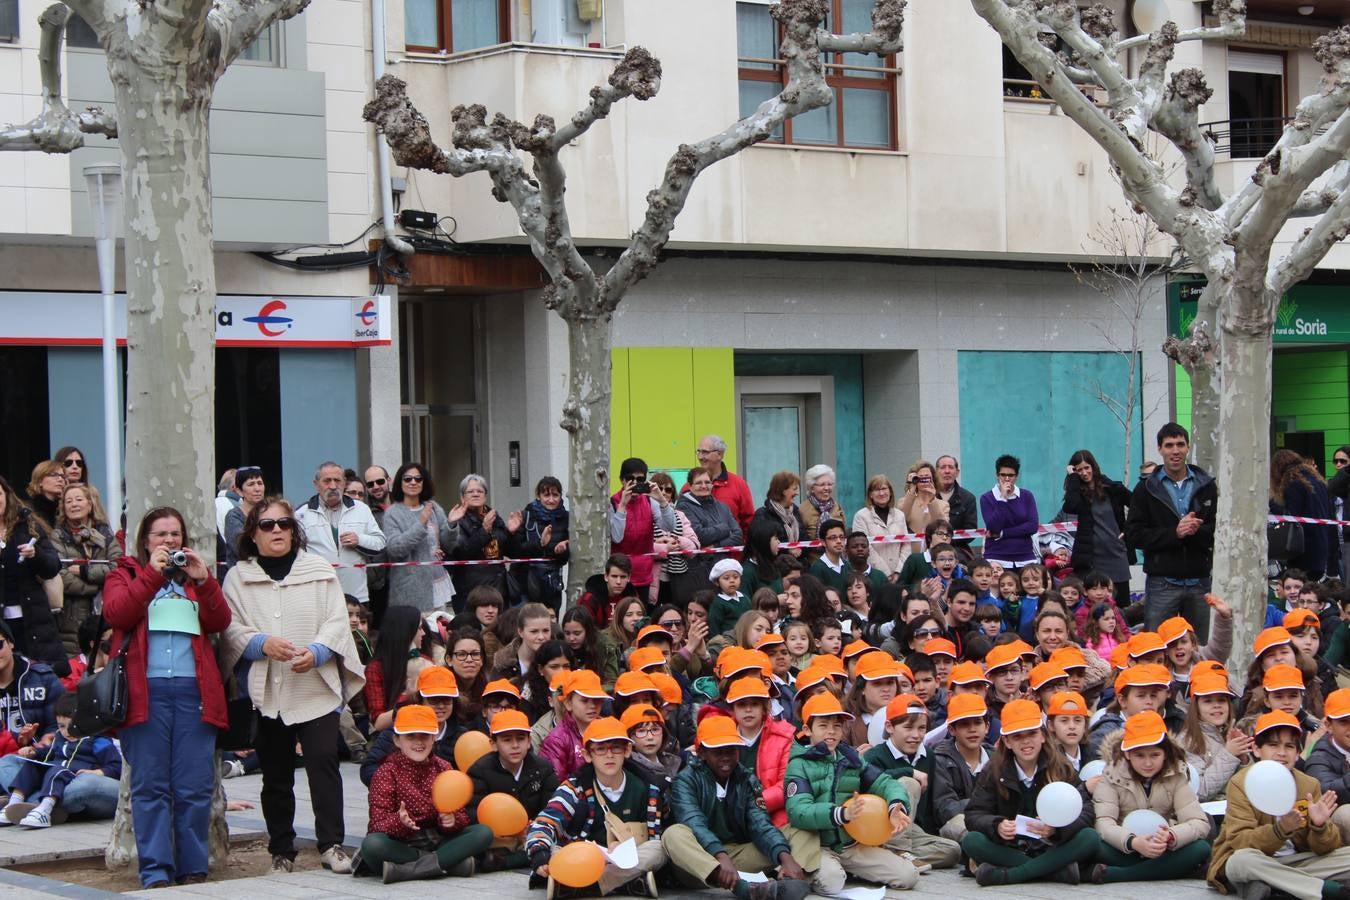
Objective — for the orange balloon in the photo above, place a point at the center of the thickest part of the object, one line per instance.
(470, 746)
(577, 865)
(503, 814)
(451, 791)
(873, 827)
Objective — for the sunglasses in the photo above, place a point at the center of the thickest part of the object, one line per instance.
(73, 463)
(673, 623)
(285, 522)
(927, 632)
(378, 482)
(412, 479)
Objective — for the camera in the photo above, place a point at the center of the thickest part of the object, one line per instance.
(642, 487)
(177, 560)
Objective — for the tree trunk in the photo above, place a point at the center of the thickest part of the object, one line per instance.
(1244, 472)
(586, 418)
(121, 849)
(1206, 379)
(171, 291)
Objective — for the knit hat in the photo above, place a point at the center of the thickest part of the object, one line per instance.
(416, 719)
(722, 567)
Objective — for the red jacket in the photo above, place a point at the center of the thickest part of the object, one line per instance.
(127, 593)
(732, 490)
(400, 781)
(775, 743)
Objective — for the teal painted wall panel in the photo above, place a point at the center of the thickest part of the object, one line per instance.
(75, 398)
(846, 369)
(1040, 407)
(318, 419)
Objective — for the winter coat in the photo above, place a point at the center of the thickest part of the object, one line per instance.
(732, 492)
(539, 580)
(883, 756)
(127, 593)
(573, 813)
(712, 521)
(400, 782)
(771, 761)
(81, 586)
(884, 558)
(986, 807)
(636, 538)
(951, 783)
(693, 795)
(1215, 766)
(408, 541)
(1077, 503)
(83, 753)
(37, 687)
(820, 782)
(21, 591)
(1328, 765)
(766, 513)
(917, 515)
(811, 517)
(467, 539)
(1119, 793)
(1151, 526)
(320, 538)
(961, 512)
(1246, 827)
(1319, 541)
(1012, 526)
(562, 748)
(533, 789)
(382, 745)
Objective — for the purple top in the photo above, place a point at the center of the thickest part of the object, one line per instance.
(1015, 522)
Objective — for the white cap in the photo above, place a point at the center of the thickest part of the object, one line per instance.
(722, 567)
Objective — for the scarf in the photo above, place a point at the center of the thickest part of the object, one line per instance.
(823, 508)
(789, 520)
(543, 515)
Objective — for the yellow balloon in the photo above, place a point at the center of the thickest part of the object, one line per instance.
(451, 791)
(577, 865)
(503, 814)
(873, 827)
(470, 746)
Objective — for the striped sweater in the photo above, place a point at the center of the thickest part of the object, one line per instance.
(573, 813)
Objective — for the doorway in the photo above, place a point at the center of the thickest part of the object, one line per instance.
(783, 423)
(1255, 101)
(439, 349)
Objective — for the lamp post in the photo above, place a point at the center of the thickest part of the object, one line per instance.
(105, 203)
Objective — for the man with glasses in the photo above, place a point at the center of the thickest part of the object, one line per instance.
(340, 529)
(728, 487)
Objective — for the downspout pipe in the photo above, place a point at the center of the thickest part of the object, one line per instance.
(383, 161)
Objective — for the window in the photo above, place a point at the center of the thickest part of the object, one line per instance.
(1255, 102)
(79, 34)
(9, 21)
(1017, 81)
(265, 49)
(452, 26)
(863, 112)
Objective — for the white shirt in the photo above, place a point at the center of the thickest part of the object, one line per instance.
(900, 754)
(613, 794)
(1027, 780)
(825, 558)
(721, 790)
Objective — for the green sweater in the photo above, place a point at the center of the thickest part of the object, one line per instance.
(818, 783)
(880, 755)
(724, 613)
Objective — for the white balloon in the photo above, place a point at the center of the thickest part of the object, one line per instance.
(1270, 787)
(1091, 770)
(1194, 775)
(1059, 804)
(1142, 822)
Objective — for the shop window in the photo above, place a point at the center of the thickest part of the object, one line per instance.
(1256, 102)
(9, 21)
(24, 398)
(863, 113)
(248, 412)
(452, 26)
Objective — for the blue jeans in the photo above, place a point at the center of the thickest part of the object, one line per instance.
(173, 759)
(1166, 600)
(91, 796)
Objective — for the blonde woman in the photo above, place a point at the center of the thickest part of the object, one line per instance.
(82, 533)
(881, 516)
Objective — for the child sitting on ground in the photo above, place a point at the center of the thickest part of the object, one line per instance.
(52, 768)
(511, 768)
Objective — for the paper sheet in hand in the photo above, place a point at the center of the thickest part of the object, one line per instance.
(861, 893)
(753, 877)
(1215, 807)
(624, 855)
(1024, 831)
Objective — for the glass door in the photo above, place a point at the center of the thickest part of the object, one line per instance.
(772, 439)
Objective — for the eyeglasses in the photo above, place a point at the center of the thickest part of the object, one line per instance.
(613, 748)
(165, 535)
(1007, 474)
(646, 729)
(466, 655)
(375, 482)
(706, 452)
(273, 524)
(73, 463)
(671, 623)
(412, 479)
(1341, 461)
(356, 493)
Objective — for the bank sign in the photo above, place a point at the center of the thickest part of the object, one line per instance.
(76, 319)
(1308, 314)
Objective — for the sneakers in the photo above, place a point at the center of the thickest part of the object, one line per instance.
(38, 818)
(1098, 875)
(988, 874)
(231, 768)
(336, 860)
(1067, 875)
(787, 889)
(282, 863)
(642, 886)
(558, 891)
(14, 812)
(919, 865)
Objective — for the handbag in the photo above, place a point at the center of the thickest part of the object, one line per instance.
(101, 699)
(1284, 540)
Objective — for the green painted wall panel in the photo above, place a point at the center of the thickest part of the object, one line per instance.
(1313, 388)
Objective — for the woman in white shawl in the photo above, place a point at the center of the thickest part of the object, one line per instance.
(291, 648)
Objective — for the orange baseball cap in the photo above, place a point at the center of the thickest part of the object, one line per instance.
(500, 686)
(1120, 657)
(1283, 678)
(639, 713)
(810, 677)
(416, 719)
(939, 646)
(1298, 618)
(559, 681)
(670, 689)
(966, 706)
(644, 658)
(830, 664)
(1276, 719)
(1203, 684)
(1208, 665)
(877, 665)
(746, 661)
(719, 731)
(1019, 715)
(1000, 657)
(1069, 657)
(1145, 642)
(1172, 629)
(769, 640)
(1338, 704)
(509, 720)
(653, 631)
(1023, 648)
(856, 648)
(1143, 730)
(750, 687)
(1271, 637)
(725, 658)
(966, 673)
(905, 705)
(1046, 672)
(587, 684)
(604, 730)
(437, 681)
(1068, 703)
(822, 705)
(630, 683)
(1146, 675)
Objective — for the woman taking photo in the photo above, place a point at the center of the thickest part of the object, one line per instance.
(413, 526)
(920, 503)
(82, 532)
(175, 702)
(1100, 505)
(27, 560)
(298, 663)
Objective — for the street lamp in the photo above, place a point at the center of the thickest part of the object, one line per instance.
(105, 203)
(1149, 15)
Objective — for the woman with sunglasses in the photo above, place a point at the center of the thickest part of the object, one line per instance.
(251, 488)
(73, 465)
(291, 648)
(413, 527)
(165, 614)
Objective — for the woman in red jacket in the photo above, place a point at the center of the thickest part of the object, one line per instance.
(165, 608)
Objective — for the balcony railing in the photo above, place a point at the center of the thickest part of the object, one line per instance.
(1245, 138)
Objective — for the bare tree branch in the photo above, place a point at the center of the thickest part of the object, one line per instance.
(56, 129)
(1315, 242)
(1232, 24)
(1316, 201)
(237, 23)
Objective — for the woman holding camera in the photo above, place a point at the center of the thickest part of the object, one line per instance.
(920, 503)
(641, 515)
(295, 656)
(163, 601)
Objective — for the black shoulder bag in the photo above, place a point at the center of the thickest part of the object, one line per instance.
(101, 698)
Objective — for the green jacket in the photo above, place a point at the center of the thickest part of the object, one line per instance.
(694, 792)
(723, 613)
(819, 783)
(839, 580)
(881, 756)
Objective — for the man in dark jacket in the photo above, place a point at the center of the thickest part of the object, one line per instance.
(723, 826)
(1171, 519)
(729, 488)
(961, 503)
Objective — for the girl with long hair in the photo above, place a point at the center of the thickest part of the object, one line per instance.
(581, 638)
(399, 640)
(1215, 749)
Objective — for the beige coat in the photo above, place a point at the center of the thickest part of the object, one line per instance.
(1119, 793)
(304, 607)
(886, 558)
(918, 515)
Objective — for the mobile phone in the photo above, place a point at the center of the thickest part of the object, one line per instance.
(642, 487)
